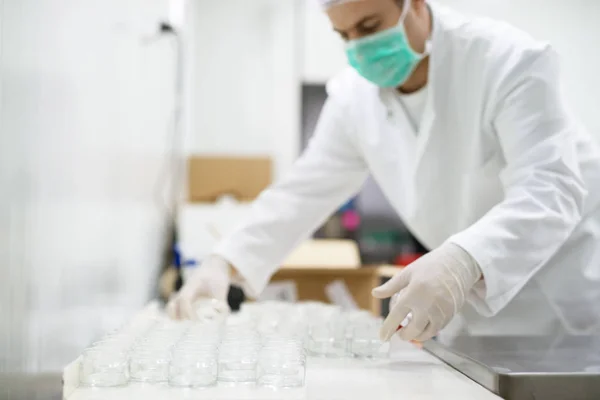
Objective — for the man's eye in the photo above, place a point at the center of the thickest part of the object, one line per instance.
(369, 29)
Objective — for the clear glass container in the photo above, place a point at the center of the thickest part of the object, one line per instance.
(365, 342)
(195, 344)
(194, 367)
(237, 361)
(355, 319)
(281, 364)
(164, 337)
(101, 368)
(295, 328)
(149, 364)
(321, 341)
(241, 333)
(209, 333)
(340, 327)
(112, 345)
(319, 313)
(237, 323)
(268, 323)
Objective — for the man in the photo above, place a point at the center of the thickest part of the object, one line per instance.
(463, 124)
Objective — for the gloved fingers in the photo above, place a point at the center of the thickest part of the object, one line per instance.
(186, 309)
(222, 307)
(414, 329)
(207, 314)
(172, 309)
(210, 308)
(430, 331)
(393, 321)
(394, 285)
(222, 293)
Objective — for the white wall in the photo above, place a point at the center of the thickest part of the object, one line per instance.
(83, 131)
(571, 26)
(322, 50)
(246, 95)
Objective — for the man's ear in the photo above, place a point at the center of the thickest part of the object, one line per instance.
(418, 5)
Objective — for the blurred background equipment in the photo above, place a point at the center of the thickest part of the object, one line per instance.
(97, 121)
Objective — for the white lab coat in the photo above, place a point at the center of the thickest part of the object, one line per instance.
(499, 166)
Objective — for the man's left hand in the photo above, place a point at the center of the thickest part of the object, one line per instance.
(433, 289)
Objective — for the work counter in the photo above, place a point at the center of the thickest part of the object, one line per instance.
(463, 368)
(410, 374)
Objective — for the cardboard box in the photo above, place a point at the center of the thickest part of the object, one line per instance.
(311, 283)
(324, 253)
(210, 177)
(317, 264)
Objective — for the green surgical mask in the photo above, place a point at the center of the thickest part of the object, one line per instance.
(385, 58)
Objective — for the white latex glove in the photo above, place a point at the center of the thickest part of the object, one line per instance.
(432, 289)
(204, 293)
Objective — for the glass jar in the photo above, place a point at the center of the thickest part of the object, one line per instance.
(281, 364)
(204, 332)
(294, 328)
(366, 343)
(165, 337)
(321, 341)
(193, 366)
(340, 327)
(149, 364)
(112, 345)
(355, 319)
(101, 368)
(237, 360)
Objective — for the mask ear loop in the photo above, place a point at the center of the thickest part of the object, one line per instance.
(427, 47)
(403, 15)
(405, 8)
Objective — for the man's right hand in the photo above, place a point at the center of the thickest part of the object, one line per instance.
(210, 281)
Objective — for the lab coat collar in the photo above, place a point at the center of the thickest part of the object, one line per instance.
(443, 20)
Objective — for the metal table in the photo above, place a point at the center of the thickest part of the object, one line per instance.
(30, 387)
(519, 368)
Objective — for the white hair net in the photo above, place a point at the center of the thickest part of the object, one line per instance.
(331, 3)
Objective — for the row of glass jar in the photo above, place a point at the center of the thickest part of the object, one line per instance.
(325, 329)
(199, 356)
(245, 347)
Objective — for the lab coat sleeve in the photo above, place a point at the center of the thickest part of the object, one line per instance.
(330, 172)
(544, 192)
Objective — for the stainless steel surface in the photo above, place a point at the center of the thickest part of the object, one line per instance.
(517, 368)
(30, 387)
